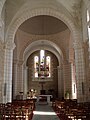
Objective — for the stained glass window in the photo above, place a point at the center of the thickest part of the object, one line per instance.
(42, 65)
(48, 65)
(88, 23)
(36, 65)
(88, 16)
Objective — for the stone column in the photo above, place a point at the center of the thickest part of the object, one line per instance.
(2, 52)
(67, 76)
(80, 73)
(73, 84)
(15, 78)
(2, 55)
(60, 83)
(7, 84)
(20, 77)
(25, 78)
(87, 68)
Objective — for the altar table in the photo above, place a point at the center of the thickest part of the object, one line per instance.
(47, 96)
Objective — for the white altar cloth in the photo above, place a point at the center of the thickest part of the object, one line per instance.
(47, 96)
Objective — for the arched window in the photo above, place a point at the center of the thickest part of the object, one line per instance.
(88, 18)
(36, 65)
(88, 28)
(89, 34)
(42, 66)
(48, 65)
(88, 25)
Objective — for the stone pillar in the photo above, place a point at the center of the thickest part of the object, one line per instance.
(60, 83)
(20, 77)
(15, 78)
(25, 78)
(2, 52)
(7, 84)
(87, 68)
(2, 25)
(74, 90)
(80, 73)
(67, 76)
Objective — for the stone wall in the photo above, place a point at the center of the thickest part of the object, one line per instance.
(50, 83)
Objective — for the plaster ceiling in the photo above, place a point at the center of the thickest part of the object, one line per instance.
(43, 25)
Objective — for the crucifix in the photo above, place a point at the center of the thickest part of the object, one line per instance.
(42, 87)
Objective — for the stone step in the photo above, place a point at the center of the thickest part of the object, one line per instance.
(42, 103)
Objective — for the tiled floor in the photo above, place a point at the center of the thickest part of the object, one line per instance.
(44, 112)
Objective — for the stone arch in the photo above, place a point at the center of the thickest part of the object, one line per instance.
(43, 44)
(38, 45)
(61, 51)
(10, 34)
(2, 3)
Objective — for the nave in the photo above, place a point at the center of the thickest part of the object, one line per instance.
(27, 110)
(56, 110)
(44, 112)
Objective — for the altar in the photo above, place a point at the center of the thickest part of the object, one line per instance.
(47, 98)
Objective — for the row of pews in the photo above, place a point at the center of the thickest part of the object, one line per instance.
(71, 110)
(17, 110)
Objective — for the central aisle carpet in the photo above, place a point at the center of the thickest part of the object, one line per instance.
(44, 112)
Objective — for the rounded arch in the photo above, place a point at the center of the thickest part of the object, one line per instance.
(2, 3)
(10, 34)
(43, 44)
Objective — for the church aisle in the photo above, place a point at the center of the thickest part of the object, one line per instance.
(44, 112)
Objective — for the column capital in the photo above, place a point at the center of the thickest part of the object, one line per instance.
(10, 46)
(85, 44)
(60, 67)
(78, 45)
(25, 67)
(2, 45)
(18, 62)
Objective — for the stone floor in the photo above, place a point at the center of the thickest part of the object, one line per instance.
(44, 112)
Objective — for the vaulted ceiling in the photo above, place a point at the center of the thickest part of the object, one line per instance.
(13, 6)
(43, 25)
(68, 4)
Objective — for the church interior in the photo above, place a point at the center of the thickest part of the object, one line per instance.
(45, 58)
